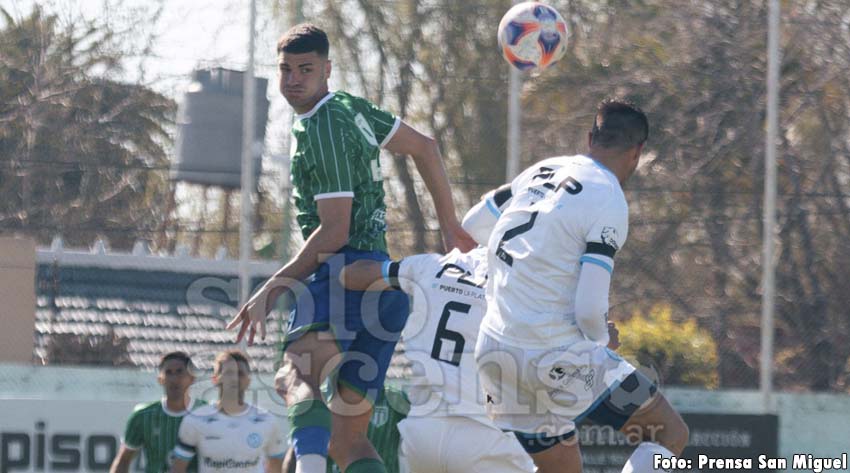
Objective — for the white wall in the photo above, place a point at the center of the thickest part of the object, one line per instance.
(65, 398)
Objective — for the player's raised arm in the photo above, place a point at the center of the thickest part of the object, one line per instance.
(179, 466)
(482, 217)
(364, 275)
(429, 162)
(328, 238)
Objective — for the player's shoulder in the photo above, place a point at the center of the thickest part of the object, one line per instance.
(203, 411)
(258, 415)
(147, 408)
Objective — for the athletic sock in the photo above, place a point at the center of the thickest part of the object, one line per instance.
(310, 431)
(643, 458)
(311, 463)
(366, 465)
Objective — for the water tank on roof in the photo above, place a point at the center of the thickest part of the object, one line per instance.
(209, 133)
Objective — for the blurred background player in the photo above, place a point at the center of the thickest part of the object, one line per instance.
(545, 332)
(389, 410)
(447, 429)
(338, 189)
(231, 435)
(153, 427)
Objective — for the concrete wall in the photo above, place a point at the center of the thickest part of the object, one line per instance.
(17, 299)
(818, 424)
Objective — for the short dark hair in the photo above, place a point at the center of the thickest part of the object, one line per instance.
(304, 38)
(619, 124)
(234, 354)
(175, 355)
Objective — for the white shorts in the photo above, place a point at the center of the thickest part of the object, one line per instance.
(545, 393)
(458, 445)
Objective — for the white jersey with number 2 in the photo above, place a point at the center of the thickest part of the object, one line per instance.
(565, 212)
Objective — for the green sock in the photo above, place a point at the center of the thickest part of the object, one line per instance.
(366, 465)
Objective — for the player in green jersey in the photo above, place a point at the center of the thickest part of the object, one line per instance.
(153, 427)
(338, 190)
(383, 432)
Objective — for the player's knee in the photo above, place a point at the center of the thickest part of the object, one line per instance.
(342, 443)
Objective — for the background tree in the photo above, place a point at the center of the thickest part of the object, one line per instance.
(76, 147)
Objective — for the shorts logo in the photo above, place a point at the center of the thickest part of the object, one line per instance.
(364, 127)
(609, 237)
(557, 373)
(380, 416)
(254, 440)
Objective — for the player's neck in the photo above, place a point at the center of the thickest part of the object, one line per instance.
(316, 99)
(177, 404)
(613, 162)
(232, 405)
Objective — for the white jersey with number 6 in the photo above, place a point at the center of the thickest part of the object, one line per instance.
(440, 335)
(565, 211)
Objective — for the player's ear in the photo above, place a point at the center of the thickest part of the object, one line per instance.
(589, 139)
(328, 69)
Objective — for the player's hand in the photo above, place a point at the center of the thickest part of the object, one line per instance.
(252, 315)
(454, 236)
(613, 336)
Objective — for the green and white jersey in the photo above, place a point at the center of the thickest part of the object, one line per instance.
(335, 153)
(153, 428)
(391, 409)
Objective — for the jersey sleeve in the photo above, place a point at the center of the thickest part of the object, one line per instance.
(331, 147)
(606, 234)
(134, 434)
(407, 274)
(187, 439)
(384, 124)
(276, 446)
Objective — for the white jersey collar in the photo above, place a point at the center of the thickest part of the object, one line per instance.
(182, 413)
(315, 107)
(601, 166)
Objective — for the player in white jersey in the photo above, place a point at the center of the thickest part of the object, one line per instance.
(447, 429)
(542, 353)
(231, 436)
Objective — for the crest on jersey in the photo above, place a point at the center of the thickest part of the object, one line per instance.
(254, 440)
(380, 416)
(609, 237)
(364, 127)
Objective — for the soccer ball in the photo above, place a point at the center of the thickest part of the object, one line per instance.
(532, 36)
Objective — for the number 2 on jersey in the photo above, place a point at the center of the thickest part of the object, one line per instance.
(513, 232)
(449, 335)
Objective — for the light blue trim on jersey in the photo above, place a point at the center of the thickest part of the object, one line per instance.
(279, 455)
(385, 271)
(182, 456)
(597, 262)
(491, 206)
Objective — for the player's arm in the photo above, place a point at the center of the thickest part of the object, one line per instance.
(429, 162)
(482, 217)
(179, 465)
(274, 465)
(606, 234)
(186, 448)
(123, 460)
(592, 302)
(327, 239)
(130, 443)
